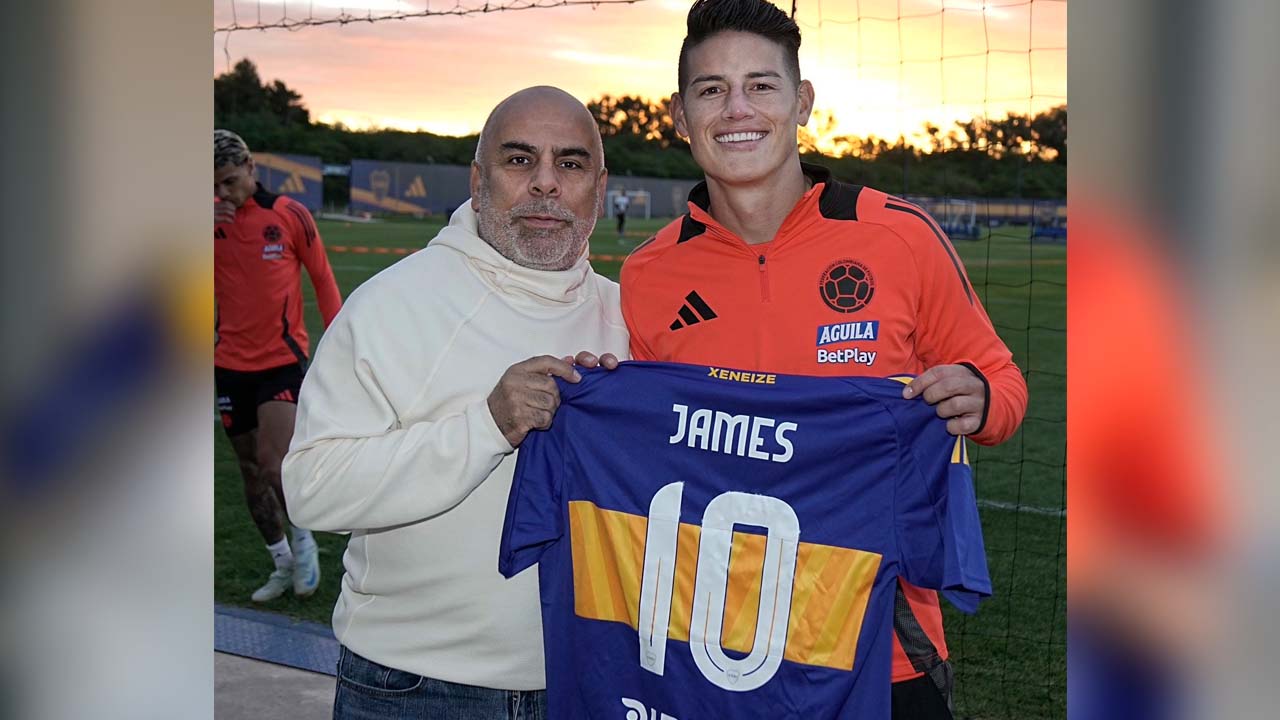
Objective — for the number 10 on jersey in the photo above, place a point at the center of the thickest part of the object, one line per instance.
(711, 584)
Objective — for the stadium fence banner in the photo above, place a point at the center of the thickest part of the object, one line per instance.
(417, 189)
(422, 189)
(298, 176)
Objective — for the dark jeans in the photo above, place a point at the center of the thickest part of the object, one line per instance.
(369, 691)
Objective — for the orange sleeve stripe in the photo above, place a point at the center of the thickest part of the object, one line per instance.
(942, 238)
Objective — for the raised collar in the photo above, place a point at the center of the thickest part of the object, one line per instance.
(559, 287)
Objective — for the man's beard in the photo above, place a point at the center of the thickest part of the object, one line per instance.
(536, 248)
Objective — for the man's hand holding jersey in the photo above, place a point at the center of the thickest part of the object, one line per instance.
(957, 394)
(526, 397)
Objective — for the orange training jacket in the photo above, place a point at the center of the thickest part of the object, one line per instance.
(257, 283)
(856, 282)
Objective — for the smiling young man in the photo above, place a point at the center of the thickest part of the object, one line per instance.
(778, 267)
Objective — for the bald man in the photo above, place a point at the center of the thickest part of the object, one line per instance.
(410, 416)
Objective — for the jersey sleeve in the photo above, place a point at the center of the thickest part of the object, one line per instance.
(533, 519)
(310, 250)
(955, 329)
(936, 519)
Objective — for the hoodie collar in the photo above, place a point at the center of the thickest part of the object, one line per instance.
(510, 279)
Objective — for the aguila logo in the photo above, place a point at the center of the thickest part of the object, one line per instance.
(846, 286)
(271, 233)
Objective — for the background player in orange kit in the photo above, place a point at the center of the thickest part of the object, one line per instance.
(261, 241)
(780, 268)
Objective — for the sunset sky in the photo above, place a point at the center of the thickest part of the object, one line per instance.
(879, 75)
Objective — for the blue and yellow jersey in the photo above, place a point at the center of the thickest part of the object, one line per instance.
(723, 543)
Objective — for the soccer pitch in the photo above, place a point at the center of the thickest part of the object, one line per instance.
(1010, 658)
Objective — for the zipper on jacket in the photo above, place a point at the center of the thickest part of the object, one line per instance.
(764, 279)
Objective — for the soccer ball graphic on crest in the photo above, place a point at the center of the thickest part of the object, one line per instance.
(846, 286)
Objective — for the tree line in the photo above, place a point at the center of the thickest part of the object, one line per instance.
(1014, 156)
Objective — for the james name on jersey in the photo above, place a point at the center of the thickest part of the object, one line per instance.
(741, 435)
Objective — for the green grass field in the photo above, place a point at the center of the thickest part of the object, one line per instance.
(1010, 658)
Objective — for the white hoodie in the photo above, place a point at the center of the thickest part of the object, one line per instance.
(395, 443)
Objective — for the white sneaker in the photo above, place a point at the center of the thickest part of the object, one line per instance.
(275, 587)
(306, 570)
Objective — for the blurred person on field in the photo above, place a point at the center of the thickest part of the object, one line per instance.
(620, 204)
(422, 390)
(779, 267)
(261, 243)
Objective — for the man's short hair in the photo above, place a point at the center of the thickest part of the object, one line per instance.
(228, 149)
(758, 17)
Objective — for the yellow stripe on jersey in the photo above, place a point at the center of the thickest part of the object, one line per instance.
(829, 596)
(742, 602)
(603, 546)
(686, 573)
(842, 592)
(960, 453)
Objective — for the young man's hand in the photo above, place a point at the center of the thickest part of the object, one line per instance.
(956, 393)
(588, 360)
(223, 212)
